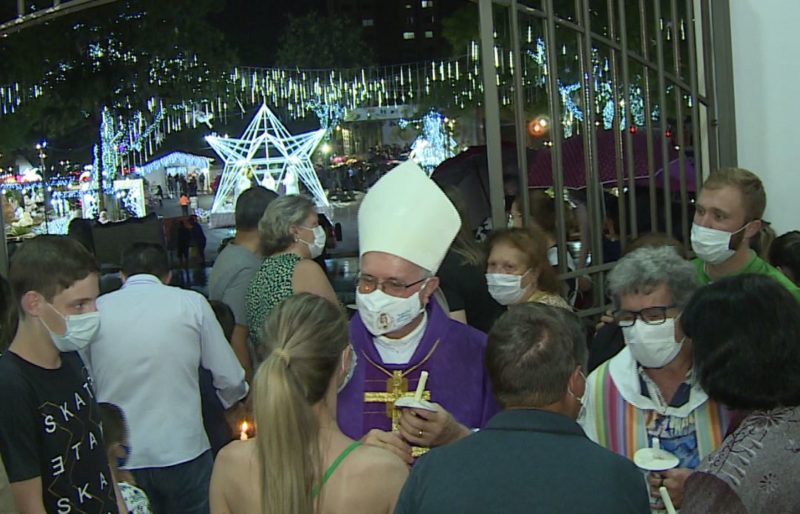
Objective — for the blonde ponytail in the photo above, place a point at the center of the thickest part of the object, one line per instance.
(306, 335)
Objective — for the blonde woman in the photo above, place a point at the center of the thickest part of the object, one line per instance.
(300, 462)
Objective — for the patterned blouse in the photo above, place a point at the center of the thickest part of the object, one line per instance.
(754, 471)
(271, 285)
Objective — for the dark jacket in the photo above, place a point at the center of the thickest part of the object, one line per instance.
(524, 461)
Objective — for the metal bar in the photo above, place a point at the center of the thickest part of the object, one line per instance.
(648, 121)
(713, 105)
(557, 164)
(723, 67)
(593, 188)
(693, 75)
(662, 102)
(676, 58)
(3, 247)
(519, 117)
(492, 110)
(558, 182)
(28, 20)
(616, 127)
(629, 161)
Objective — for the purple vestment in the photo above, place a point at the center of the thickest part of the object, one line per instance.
(457, 381)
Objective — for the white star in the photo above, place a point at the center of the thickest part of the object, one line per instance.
(268, 151)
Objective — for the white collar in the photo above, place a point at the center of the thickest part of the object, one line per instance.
(400, 351)
(625, 374)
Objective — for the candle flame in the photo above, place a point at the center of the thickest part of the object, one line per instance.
(243, 434)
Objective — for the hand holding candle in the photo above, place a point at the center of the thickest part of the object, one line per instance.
(423, 380)
(417, 401)
(667, 500)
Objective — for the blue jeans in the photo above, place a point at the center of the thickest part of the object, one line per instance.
(178, 489)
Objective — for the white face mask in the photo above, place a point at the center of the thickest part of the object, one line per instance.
(579, 399)
(81, 329)
(318, 244)
(712, 245)
(652, 346)
(382, 313)
(506, 289)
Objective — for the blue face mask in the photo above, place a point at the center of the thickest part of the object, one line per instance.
(121, 461)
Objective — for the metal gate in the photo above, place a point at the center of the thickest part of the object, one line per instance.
(618, 107)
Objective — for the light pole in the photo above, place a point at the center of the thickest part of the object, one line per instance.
(46, 194)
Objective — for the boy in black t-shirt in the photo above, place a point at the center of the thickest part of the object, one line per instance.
(50, 431)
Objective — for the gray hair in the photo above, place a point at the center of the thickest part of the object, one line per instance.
(642, 270)
(532, 351)
(280, 216)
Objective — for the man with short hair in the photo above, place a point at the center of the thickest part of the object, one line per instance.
(406, 224)
(237, 264)
(51, 437)
(152, 341)
(532, 456)
(728, 213)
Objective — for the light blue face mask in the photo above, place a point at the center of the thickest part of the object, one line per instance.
(81, 329)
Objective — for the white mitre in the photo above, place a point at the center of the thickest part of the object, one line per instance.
(407, 215)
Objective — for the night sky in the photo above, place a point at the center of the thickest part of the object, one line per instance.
(253, 27)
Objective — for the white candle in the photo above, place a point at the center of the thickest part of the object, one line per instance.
(667, 500)
(423, 379)
(243, 433)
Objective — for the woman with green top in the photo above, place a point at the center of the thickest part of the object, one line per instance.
(291, 238)
(299, 461)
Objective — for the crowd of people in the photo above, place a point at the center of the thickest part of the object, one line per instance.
(464, 381)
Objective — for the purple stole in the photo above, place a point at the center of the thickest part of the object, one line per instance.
(451, 352)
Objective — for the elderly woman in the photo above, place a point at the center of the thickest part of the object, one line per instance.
(647, 392)
(291, 238)
(746, 356)
(517, 269)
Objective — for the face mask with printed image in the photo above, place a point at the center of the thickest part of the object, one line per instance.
(382, 313)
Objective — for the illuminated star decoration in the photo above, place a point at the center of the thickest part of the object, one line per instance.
(271, 154)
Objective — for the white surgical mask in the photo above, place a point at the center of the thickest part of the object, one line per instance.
(506, 289)
(652, 346)
(712, 245)
(382, 313)
(81, 329)
(318, 244)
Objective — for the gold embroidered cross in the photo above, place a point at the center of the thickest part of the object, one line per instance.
(396, 388)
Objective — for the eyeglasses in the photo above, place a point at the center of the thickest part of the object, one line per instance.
(650, 315)
(392, 287)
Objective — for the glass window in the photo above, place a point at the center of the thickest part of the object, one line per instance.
(408, 35)
(369, 22)
(429, 34)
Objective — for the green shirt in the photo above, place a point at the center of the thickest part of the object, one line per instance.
(755, 265)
